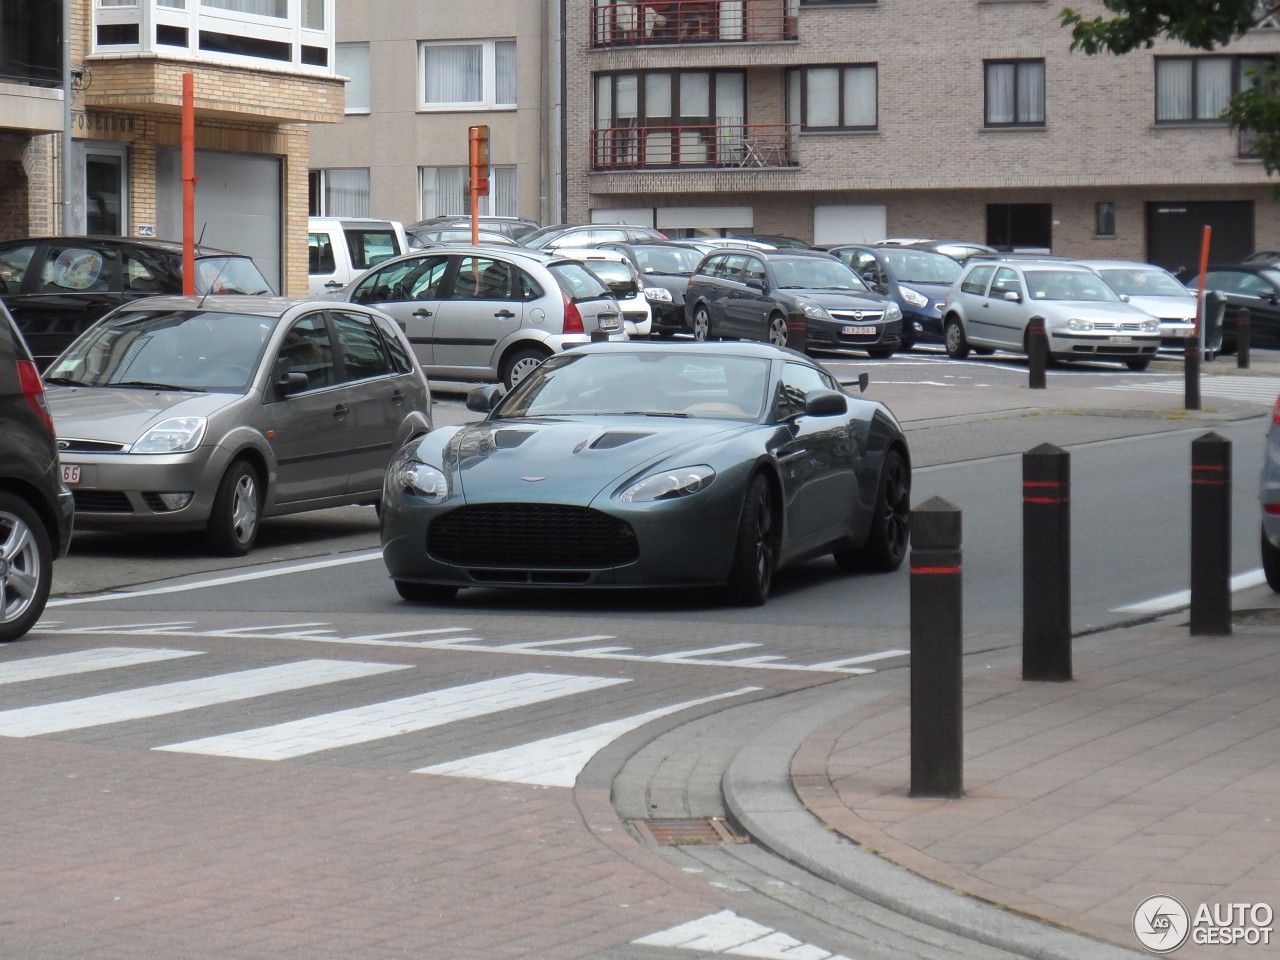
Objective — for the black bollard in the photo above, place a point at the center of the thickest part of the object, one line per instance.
(1037, 353)
(798, 332)
(1210, 535)
(1046, 563)
(1242, 339)
(1191, 373)
(937, 747)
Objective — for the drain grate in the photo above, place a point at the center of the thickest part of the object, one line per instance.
(674, 833)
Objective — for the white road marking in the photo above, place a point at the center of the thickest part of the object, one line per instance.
(85, 661)
(405, 715)
(169, 698)
(694, 654)
(1182, 598)
(557, 761)
(1259, 389)
(865, 658)
(727, 933)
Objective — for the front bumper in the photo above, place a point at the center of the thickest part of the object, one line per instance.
(835, 335)
(1068, 344)
(122, 490)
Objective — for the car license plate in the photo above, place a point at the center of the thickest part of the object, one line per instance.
(608, 323)
(71, 473)
(1120, 340)
(859, 331)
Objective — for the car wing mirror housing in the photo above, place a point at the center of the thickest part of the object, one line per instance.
(291, 383)
(1013, 296)
(484, 399)
(825, 403)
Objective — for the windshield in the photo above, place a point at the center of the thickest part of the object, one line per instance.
(815, 273)
(229, 275)
(670, 384)
(920, 266)
(182, 350)
(1143, 282)
(671, 261)
(1068, 285)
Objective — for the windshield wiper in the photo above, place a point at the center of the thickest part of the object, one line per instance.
(148, 385)
(64, 381)
(652, 413)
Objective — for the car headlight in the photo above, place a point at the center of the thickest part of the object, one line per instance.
(913, 298)
(175, 435)
(893, 312)
(681, 482)
(419, 479)
(1150, 326)
(661, 294)
(1080, 326)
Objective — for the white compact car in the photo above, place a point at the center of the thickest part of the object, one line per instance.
(1155, 290)
(617, 273)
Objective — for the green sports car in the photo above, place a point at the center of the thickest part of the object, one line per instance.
(645, 465)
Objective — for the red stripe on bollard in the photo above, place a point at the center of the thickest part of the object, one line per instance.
(1045, 500)
(935, 569)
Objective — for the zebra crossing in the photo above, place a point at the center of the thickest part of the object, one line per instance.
(548, 761)
(1263, 390)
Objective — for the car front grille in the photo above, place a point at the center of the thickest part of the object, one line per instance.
(71, 445)
(101, 501)
(531, 535)
(864, 316)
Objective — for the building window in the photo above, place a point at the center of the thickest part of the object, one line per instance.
(445, 192)
(353, 61)
(1020, 226)
(1105, 219)
(479, 75)
(262, 8)
(670, 118)
(833, 98)
(1197, 89)
(1015, 93)
(339, 192)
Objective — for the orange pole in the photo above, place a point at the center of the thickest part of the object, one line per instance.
(188, 184)
(1204, 268)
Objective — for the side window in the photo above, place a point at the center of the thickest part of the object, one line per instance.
(396, 349)
(386, 285)
(712, 267)
(426, 278)
(76, 269)
(139, 278)
(1006, 281)
(483, 278)
(734, 264)
(363, 354)
(13, 266)
(529, 289)
(306, 349)
(320, 253)
(976, 281)
(797, 380)
(369, 247)
(753, 271)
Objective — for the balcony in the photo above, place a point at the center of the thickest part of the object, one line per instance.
(692, 21)
(726, 146)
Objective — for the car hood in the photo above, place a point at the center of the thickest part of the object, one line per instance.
(1098, 310)
(833, 300)
(122, 415)
(569, 460)
(1166, 308)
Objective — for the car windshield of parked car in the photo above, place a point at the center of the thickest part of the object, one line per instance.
(656, 384)
(668, 261)
(1078, 285)
(1142, 282)
(230, 275)
(578, 282)
(920, 266)
(200, 350)
(815, 273)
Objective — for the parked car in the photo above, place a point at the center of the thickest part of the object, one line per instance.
(991, 304)
(1254, 286)
(1269, 494)
(339, 248)
(36, 509)
(778, 241)
(753, 294)
(57, 287)
(666, 266)
(489, 313)
(587, 235)
(512, 227)
(444, 236)
(1155, 290)
(707, 465)
(194, 414)
(623, 280)
(959, 250)
(916, 280)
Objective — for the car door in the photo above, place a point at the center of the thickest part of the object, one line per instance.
(1003, 320)
(1253, 292)
(409, 290)
(69, 284)
(312, 432)
(816, 461)
(483, 306)
(731, 315)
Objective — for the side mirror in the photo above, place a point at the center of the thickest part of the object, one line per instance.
(825, 403)
(756, 283)
(292, 383)
(1125, 298)
(1013, 296)
(484, 399)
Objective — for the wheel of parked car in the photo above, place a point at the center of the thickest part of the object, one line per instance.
(26, 566)
(1271, 563)
(886, 545)
(520, 364)
(701, 324)
(957, 343)
(1138, 363)
(756, 554)
(778, 330)
(880, 353)
(233, 521)
(424, 592)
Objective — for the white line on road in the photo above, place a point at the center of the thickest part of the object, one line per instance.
(85, 661)
(726, 932)
(1182, 598)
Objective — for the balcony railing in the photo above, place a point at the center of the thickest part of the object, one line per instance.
(725, 147)
(693, 21)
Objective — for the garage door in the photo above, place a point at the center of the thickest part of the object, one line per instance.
(1175, 231)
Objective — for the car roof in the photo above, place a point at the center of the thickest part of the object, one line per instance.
(735, 348)
(511, 251)
(1130, 264)
(147, 243)
(273, 307)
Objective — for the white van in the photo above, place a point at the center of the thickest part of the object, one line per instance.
(342, 248)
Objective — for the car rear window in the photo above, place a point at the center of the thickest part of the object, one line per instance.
(369, 247)
(577, 281)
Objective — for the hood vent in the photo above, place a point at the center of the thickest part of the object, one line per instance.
(616, 438)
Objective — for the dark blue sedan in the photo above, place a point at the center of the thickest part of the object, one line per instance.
(917, 280)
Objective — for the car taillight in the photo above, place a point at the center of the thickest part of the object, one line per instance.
(1275, 411)
(572, 318)
(33, 390)
(1271, 508)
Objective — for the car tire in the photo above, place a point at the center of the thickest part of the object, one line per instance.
(237, 509)
(956, 342)
(755, 555)
(777, 330)
(1270, 562)
(880, 353)
(983, 351)
(1138, 364)
(424, 592)
(520, 364)
(890, 533)
(701, 324)
(26, 566)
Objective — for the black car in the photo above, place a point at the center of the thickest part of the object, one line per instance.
(56, 287)
(757, 294)
(1254, 286)
(36, 509)
(666, 266)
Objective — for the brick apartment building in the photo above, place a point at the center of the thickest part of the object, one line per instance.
(263, 72)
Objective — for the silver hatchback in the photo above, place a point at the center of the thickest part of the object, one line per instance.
(488, 313)
(181, 413)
